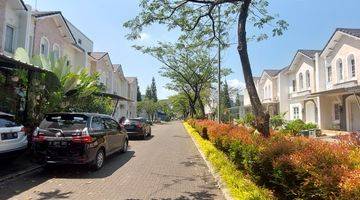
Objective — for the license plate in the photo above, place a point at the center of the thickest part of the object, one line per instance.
(58, 143)
(8, 136)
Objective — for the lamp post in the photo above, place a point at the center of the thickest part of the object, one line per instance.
(219, 67)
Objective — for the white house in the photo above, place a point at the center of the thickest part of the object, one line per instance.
(14, 26)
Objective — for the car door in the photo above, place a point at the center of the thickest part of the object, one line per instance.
(111, 132)
(98, 130)
(119, 134)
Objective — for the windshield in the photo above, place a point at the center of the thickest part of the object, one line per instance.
(7, 122)
(64, 122)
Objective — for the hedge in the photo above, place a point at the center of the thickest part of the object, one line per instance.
(292, 167)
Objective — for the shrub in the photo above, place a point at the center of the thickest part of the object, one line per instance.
(277, 121)
(293, 167)
(248, 120)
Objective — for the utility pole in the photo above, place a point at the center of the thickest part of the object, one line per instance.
(219, 67)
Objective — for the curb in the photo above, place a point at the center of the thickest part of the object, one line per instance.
(217, 177)
(20, 173)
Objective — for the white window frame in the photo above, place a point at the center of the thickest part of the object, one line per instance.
(329, 74)
(56, 46)
(308, 79)
(296, 112)
(340, 70)
(301, 81)
(43, 38)
(13, 39)
(351, 66)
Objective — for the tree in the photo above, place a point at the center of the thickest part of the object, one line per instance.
(138, 97)
(189, 67)
(180, 105)
(148, 93)
(238, 99)
(198, 17)
(226, 96)
(153, 90)
(149, 106)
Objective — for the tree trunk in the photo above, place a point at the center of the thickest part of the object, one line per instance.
(262, 118)
(202, 107)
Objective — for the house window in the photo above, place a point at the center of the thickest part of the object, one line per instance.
(301, 81)
(340, 70)
(296, 112)
(329, 74)
(351, 63)
(308, 79)
(294, 85)
(337, 111)
(9, 39)
(44, 46)
(56, 51)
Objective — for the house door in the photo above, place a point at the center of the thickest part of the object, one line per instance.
(354, 117)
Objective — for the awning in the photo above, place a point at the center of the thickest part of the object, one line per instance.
(12, 63)
(113, 96)
(355, 89)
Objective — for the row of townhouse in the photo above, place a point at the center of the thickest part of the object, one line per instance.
(319, 86)
(42, 33)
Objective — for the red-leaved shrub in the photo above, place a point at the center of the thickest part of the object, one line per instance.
(294, 167)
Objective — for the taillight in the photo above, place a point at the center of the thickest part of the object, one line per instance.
(39, 137)
(138, 125)
(82, 139)
(23, 130)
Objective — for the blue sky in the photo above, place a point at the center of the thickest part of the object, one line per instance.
(312, 22)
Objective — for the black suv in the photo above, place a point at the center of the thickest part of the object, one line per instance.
(78, 138)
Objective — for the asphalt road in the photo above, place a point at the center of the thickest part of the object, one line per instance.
(166, 166)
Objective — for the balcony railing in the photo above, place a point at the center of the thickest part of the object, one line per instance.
(299, 94)
(345, 84)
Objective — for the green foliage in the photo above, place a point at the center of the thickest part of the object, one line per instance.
(2, 79)
(277, 121)
(22, 74)
(248, 120)
(294, 127)
(292, 167)
(149, 107)
(71, 90)
(180, 105)
(153, 90)
(138, 95)
(238, 184)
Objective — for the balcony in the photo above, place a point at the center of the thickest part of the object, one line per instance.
(300, 93)
(345, 84)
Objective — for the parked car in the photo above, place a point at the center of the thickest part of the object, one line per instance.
(138, 127)
(78, 138)
(13, 140)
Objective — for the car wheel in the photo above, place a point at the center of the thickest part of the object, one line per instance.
(144, 136)
(99, 160)
(125, 147)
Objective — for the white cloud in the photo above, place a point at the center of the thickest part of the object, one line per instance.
(144, 36)
(236, 84)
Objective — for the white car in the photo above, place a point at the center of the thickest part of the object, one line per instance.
(13, 139)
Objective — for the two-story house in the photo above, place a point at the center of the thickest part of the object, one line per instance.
(301, 84)
(14, 26)
(338, 76)
(54, 34)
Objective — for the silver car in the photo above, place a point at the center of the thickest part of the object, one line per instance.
(13, 139)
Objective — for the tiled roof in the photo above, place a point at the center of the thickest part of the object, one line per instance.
(131, 79)
(351, 31)
(309, 53)
(272, 72)
(98, 55)
(45, 13)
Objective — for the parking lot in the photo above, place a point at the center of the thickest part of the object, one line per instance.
(165, 166)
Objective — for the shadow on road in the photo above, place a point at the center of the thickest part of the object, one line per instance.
(203, 195)
(140, 138)
(17, 186)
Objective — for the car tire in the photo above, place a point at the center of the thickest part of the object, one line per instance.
(125, 147)
(144, 136)
(98, 163)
